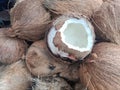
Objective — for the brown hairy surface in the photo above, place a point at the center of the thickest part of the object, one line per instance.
(29, 20)
(51, 83)
(107, 21)
(101, 71)
(39, 61)
(73, 7)
(15, 77)
(11, 49)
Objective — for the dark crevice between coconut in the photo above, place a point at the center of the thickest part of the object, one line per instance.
(72, 39)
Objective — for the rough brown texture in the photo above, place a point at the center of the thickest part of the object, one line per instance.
(101, 71)
(73, 7)
(71, 72)
(40, 63)
(51, 83)
(107, 21)
(78, 86)
(11, 49)
(15, 77)
(29, 20)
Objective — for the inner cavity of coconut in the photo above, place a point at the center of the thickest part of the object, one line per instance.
(75, 33)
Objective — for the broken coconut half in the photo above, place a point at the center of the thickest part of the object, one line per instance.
(71, 38)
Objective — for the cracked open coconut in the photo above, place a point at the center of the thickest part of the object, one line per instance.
(71, 38)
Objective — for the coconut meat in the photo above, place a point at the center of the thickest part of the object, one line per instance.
(77, 34)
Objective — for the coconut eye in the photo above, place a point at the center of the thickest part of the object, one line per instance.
(52, 67)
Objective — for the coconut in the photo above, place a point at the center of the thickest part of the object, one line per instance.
(101, 70)
(11, 49)
(28, 20)
(71, 38)
(15, 77)
(51, 83)
(73, 7)
(40, 62)
(107, 21)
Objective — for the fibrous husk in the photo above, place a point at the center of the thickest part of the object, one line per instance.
(73, 7)
(107, 21)
(40, 62)
(29, 20)
(11, 49)
(78, 86)
(15, 77)
(101, 71)
(71, 72)
(59, 48)
(50, 83)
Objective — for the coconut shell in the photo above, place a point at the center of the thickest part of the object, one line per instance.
(15, 77)
(40, 62)
(73, 55)
(11, 49)
(28, 20)
(51, 83)
(73, 7)
(101, 71)
(107, 21)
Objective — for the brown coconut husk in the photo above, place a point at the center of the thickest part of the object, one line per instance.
(71, 73)
(73, 7)
(41, 63)
(101, 71)
(107, 21)
(29, 20)
(79, 86)
(11, 49)
(50, 83)
(15, 77)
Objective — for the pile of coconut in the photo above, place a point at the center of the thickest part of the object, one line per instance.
(61, 45)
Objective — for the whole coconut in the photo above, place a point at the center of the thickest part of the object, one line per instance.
(11, 49)
(73, 7)
(101, 71)
(40, 62)
(28, 20)
(107, 21)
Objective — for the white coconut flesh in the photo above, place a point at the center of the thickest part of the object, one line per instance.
(77, 34)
